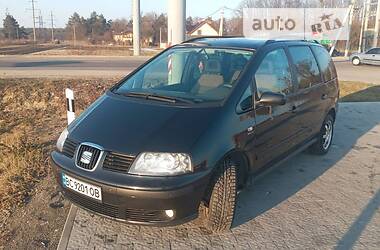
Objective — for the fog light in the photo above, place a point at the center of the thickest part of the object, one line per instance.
(169, 213)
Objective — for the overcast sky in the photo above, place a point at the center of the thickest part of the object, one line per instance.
(111, 9)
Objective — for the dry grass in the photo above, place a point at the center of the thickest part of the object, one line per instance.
(32, 114)
(22, 165)
(359, 92)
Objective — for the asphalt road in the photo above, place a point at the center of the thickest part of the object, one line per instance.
(67, 66)
(105, 66)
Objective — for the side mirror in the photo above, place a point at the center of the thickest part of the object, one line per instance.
(272, 99)
(246, 103)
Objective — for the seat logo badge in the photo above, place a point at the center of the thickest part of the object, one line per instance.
(86, 157)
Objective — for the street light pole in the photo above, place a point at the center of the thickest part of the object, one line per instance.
(136, 27)
(176, 21)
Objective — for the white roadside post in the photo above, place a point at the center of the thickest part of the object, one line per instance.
(70, 105)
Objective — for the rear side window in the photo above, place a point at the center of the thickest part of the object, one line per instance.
(306, 66)
(325, 63)
(273, 74)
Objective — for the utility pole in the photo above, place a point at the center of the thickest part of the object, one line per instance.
(363, 14)
(34, 22)
(366, 19)
(40, 22)
(52, 26)
(74, 35)
(377, 25)
(176, 21)
(160, 37)
(136, 27)
(349, 28)
(221, 22)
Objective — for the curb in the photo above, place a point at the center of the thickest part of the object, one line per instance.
(64, 240)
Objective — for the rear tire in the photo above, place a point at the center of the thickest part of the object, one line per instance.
(356, 61)
(324, 138)
(221, 209)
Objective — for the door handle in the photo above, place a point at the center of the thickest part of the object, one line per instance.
(324, 97)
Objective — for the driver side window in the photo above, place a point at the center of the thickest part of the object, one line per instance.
(273, 74)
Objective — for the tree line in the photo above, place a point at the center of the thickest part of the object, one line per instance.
(97, 29)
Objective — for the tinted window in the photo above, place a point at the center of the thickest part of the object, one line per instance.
(306, 66)
(325, 63)
(245, 100)
(274, 74)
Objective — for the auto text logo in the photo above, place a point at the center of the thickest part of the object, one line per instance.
(296, 23)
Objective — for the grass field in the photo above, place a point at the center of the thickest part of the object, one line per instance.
(32, 115)
(359, 92)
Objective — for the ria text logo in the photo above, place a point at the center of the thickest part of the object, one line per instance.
(296, 23)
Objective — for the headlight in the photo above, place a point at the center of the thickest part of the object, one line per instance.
(161, 164)
(62, 139)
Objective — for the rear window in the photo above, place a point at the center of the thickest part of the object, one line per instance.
(325, 63)
(306, 66)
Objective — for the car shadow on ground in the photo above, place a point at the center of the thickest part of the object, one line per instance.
(287, 179)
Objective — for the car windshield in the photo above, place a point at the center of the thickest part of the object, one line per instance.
(190, 74)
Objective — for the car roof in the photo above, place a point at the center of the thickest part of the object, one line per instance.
(240, 42)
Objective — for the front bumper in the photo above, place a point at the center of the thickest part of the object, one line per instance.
(134, 204)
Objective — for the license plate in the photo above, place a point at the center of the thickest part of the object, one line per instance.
(82, 187)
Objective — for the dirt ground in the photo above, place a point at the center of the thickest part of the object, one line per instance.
(68, 49)
(32, 114)
(94, 50)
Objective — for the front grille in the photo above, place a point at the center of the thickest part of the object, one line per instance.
(145, 215)
(118, 162)
(126, 214)
(89, 153)
(97, 207)
(69, 148)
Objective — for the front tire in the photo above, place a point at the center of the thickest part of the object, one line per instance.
(221, 209)
(324, 138)
(356, 61)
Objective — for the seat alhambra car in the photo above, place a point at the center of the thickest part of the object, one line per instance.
(187, 129)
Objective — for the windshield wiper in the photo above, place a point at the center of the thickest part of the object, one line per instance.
(157, 97)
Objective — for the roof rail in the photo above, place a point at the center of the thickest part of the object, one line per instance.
(290, 40)
(191, 40)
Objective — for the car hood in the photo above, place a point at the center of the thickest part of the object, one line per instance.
(129, 125)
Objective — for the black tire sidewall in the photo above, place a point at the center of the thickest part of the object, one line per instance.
(215, 222)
